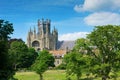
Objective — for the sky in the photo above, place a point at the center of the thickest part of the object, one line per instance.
(73, 18)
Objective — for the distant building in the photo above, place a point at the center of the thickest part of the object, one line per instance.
(43, 38)
(58, 55)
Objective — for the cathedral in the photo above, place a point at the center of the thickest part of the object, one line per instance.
(43, 38)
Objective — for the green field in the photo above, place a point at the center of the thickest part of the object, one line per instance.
(49, 75)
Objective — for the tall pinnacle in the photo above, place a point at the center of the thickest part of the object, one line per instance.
(38, 22)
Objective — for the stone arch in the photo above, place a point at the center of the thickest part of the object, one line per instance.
(35, 44)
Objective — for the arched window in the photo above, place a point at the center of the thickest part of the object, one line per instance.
(35, 44)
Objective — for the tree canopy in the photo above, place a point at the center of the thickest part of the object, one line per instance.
(43, 62)
(6, 29)
(6, 70)
(75, 62)
(21, 55)
(100, 50)
(106, 58)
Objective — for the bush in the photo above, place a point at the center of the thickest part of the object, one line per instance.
(61, 66)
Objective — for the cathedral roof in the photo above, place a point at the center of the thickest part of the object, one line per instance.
(63, 45)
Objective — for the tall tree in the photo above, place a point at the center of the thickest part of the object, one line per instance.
(18, 51)
(83, 46)
(21, 55)
(106, 56)
(75, 62)
(30, 57)
(43, 62)
(6, 70)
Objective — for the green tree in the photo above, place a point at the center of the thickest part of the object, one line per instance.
(106, 53)
(6, 70)
(83, 46)
(18, 50)
(6, 29)
(18, 53)
(12, 40)
(21, 55)
(30, 57)
(43, 62)
(75, 62)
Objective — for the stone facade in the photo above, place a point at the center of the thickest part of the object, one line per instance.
(43, 38)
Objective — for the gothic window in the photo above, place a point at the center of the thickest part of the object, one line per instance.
(35, 44)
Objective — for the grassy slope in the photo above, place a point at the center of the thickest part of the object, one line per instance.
(48, 75)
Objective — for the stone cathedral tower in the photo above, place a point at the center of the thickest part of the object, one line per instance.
(43, 38)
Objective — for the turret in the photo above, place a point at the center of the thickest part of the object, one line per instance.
(30, 33)
(34, 33)
(39, 23)
(40, 27)
(55, 35)
(48, 26)
(43, 30)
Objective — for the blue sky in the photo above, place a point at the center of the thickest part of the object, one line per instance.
(73, 18)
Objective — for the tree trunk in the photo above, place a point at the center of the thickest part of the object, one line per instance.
(41, 77)
(15, 67)
(78, 78)
(104, 78)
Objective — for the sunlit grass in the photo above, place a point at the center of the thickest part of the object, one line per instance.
(48, 75)
(52, 75)
(26, 76)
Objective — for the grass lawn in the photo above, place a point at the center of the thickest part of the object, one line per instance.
(49, 75)
(26, 76)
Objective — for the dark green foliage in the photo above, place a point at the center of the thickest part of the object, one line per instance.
(62, 66)
(12, 40)
(18, 51)
(3, 54)
(30, 57)
(6, 29)
(21, 55)
(6, 69)
(43, 62)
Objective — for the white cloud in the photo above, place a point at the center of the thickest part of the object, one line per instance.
(103, 18)
(98, 5)
(73, 36)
